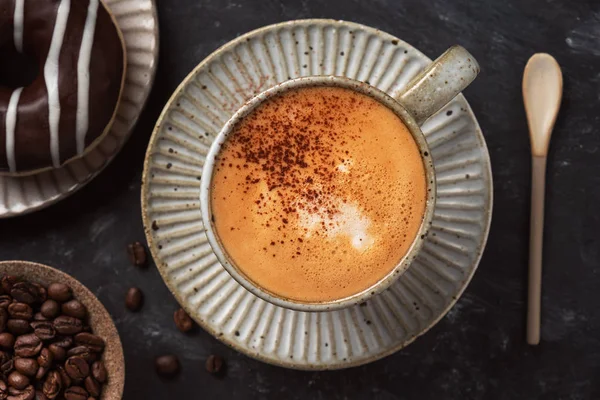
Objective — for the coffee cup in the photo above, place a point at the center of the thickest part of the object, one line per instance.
(324, 220)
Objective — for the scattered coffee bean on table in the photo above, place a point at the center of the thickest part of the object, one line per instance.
(137, 254)
(215, 364)
(167, 366)
(134, 299)
(47, 349)
(183, 321)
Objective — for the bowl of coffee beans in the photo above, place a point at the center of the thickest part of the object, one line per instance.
(57, 341)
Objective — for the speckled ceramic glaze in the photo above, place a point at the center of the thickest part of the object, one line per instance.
(198, 110)
(139, 24)
(99, 319)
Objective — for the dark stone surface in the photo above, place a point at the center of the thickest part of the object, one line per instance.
(478, 351)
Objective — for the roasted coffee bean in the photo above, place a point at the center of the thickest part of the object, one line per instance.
(167, 366)
(63, 341)
(18, 326)
(17, 380)
(5, 301)
(74, 308)
(25, 292)
(65, 378)
(58, 353)
(3, 319)
(65, 325)
(76, 393)
(93, 342)
(44, 330)
(99, 371)
(7, 367)
(83, 352)
(20, 311)
(17, 394)
(41, 373)
(38, 316)
(7, 283)
(39, 395)
(92, 386)
(137, 254)
(77, 368)
(3, 390)
(7, 340)
(26, 366)
(50, 309)
(182, 320)
(59, 292)
(214, 364)
(45, 358)
(134, 299)
(41, 292)
(52, 385)
(27, 346)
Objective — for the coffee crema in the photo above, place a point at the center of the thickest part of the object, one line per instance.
(318, 193)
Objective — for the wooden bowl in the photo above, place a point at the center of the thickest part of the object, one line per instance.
(99, 319)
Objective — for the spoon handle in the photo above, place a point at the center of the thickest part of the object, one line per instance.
(538, 185)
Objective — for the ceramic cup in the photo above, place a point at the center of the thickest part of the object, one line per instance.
(426, 94)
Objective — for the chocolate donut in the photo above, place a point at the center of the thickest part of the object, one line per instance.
(71, 103)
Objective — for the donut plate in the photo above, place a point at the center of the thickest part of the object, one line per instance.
(139, 23)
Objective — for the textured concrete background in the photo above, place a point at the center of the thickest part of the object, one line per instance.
(478, 350)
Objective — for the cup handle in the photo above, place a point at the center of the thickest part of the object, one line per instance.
(439, 83)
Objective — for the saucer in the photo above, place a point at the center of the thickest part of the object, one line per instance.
(139, 24)
(198, 109)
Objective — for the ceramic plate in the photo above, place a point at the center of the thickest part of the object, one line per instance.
(171, 191)
(100, 319)
(139, 24)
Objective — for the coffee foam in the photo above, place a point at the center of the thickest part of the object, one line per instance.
(318, 194)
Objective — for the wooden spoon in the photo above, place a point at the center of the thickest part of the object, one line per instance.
(542, 93)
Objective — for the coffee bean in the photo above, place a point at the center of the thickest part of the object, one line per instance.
(3, 319)
(7, 283)
(58, 353)
(25, 292)
(134, 299)
(137, 254)
(41, 292)
(45, 358)
(52, 385)
(83, 352)
(7, 367)
(3, 390)
(41, 372)
(93, 342)
(28, 345)
(59, 292)
(26, 366)
(39, 317)
(39, 395)
(50, 309)
(99, 371)
(77, 368)
(65, 325)
(64, 341)
(17, 380)
(74, 308)
(76, 393)
(182, 320)
(20, 311)
(64, 377)
(7, 340)
(214, 364)
(44, 330)
(5, 301)
(17, 394)
(18, 326)
(167, 366)
(92, 386)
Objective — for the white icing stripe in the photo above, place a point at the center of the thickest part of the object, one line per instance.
(11, 125)
(83, 76)
(51, 76)
(18, 22)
